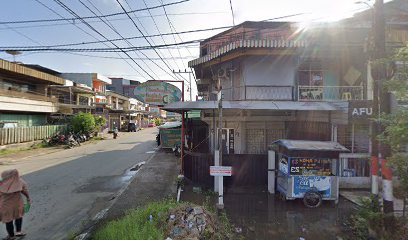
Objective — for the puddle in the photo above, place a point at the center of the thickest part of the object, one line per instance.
(259, 215)
(110, 184)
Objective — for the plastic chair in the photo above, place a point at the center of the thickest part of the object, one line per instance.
(346, 96)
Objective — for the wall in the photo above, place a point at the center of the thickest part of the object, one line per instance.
(269, 70)
(24, 120)
(26, 105)
(84, 78)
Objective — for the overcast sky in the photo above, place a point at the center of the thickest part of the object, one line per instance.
(146, 64)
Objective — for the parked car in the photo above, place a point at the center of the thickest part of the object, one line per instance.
(151, 125)
(132, 127)
(8, 124)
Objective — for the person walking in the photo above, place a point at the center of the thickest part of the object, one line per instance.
(12, 187)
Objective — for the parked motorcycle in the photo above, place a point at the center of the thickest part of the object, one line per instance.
(177, 150)
(71, 142)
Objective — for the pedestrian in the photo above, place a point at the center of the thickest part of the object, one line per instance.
(12, 187)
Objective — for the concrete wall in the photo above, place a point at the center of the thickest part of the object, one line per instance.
(84, 78)
(26, 105)
(269, 70)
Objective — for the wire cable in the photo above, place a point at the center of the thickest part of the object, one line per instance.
(93, 29)
(232, 13)
(106, 22)
(124, 10)
(90, 17)
(158, 30)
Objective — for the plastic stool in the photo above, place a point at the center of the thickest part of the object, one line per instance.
(346, 96)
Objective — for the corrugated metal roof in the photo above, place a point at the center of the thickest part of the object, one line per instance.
(250, 105)
(23, 70)
(311, 145)
(248, 44)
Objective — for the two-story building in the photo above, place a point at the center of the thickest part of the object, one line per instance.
(280, 80)
(24, 97)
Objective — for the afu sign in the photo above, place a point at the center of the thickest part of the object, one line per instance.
(363, 110)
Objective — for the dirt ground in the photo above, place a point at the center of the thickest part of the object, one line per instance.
(259, 215)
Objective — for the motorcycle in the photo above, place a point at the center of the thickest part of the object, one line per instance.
(115, 133)
(177, 150)
(71, 142)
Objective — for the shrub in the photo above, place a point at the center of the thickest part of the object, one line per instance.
(83, 123)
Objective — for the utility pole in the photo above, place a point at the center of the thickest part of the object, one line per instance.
(189, 80)
(220, 204)
(381, 104)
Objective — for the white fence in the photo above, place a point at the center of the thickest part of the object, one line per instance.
(28, 134)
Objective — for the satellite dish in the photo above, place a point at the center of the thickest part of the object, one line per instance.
(14, 53)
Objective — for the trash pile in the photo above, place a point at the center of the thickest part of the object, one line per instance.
(191, 222)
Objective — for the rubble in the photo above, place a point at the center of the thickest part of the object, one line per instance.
(191, 222)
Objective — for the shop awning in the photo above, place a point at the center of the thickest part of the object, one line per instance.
(250, 105)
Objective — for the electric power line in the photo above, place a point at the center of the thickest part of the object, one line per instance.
(89, 17)
(93, 29)
(106, 22)
(127, 14)
(232, 13)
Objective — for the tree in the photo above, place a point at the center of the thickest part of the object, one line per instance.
(83, 123)
(396, 124)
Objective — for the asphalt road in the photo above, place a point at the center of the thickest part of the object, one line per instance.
(71, 187)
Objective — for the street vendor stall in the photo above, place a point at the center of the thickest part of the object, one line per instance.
(308, 170)
(170, 134)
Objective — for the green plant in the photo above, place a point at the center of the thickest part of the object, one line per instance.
(83, 123)
(370, 222)
(99, 121)
(136, 223)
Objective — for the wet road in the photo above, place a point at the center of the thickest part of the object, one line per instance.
(71, 187)
(259, 215)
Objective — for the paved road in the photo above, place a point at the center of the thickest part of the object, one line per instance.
(70, 187)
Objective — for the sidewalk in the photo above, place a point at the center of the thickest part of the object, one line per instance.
(155, 181)
(356, 196)
(24, 153)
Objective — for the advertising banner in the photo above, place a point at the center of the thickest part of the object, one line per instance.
(303, 184)
(156, 93)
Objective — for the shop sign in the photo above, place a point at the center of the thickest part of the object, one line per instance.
(310, 166)
(156, 93)
(362, 110)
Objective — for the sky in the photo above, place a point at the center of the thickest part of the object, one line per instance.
(141, 64)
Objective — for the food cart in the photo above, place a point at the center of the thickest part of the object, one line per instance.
(308, 170)
(170, 134)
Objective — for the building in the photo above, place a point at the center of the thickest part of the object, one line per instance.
(24, 97)
(280, 80)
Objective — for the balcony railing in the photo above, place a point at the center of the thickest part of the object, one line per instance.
(329, 93)
(26, 95)
(254, 93)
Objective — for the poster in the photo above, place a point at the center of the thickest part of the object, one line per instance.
(303, 184)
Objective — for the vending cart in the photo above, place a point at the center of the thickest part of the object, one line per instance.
(308, 170)
(170, 134)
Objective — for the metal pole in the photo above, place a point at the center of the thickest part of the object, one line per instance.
(220, 204)
(382, 102)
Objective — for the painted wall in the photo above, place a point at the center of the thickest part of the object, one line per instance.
(24, 120)
(268, 70)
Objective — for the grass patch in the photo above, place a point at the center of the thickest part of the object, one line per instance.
(5, 152)
(137, 225)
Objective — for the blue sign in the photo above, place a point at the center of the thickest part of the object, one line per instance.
(303, 184)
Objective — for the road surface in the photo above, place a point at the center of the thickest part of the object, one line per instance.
(70, 187)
